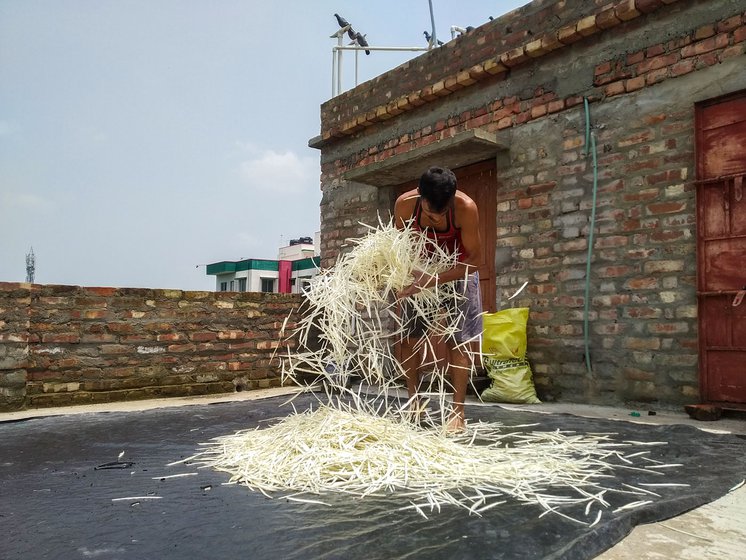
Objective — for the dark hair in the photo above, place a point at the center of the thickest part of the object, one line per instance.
(438, 186)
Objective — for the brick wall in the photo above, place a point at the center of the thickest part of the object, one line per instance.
(642, 65)
(643, 272)
(62, 345)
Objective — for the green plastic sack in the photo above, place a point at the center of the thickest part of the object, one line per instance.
(504, 357)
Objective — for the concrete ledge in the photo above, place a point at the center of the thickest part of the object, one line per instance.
(149, 404)
(465, 148)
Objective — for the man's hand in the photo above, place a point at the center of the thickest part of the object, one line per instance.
(421, 281)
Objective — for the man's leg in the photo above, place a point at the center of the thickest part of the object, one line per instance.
(410, 356)
(459, 368)
(460, 360)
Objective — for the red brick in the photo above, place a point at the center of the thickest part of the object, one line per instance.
(538, 111)
(667, 235)
(514, 57)
(568, 35)
(550, 42)
(706, 45)
(535, 49)
(614, 271)
(682, 67)
(95, 314)
(414, 98)
(642, 283)
(641, 196)
(657, 62)
(452, 83)
(497, 104)
(634, 58)
(169, 337)
(106, 292)
(602, 69)
(729, 24)
(541, 188)
(572, 143)
(612, 241)
(607, 19)
(739, 34)
(505, 122)
(643, 312)
(494, 66)
(709, 59)
(426, 93)
(464, 79)
(614, 89)
(668, 328)
(647, 6)
(705, 31)
(654, 119)
(633, 84)
(203, 336)
(587, 26)
(656, 76)
(722, 40)
(655, 50)
(642, 343)
(626, 10)
(735, 50)
(666, 208)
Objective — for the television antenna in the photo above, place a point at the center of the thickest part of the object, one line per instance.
(30, 266)
(359, 43)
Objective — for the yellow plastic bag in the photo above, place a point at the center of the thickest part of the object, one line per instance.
(504, 351)
(504, 333)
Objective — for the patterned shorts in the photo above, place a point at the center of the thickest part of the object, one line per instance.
(465, 313)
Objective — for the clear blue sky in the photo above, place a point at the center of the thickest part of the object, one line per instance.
(140, 138)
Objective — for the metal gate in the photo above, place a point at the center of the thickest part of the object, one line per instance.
(721, 249)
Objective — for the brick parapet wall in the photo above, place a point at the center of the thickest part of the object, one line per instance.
(15, 308)
(697, 49)
(492, 50)
(642, 80)
(64, 345)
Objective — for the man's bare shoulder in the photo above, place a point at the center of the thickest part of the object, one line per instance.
(465, 204)
(407, 201)
(409, 195)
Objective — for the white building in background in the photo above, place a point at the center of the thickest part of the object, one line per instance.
(296, 264)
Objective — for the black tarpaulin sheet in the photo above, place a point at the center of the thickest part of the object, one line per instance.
(55, 504)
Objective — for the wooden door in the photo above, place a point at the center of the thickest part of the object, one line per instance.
(721, 248)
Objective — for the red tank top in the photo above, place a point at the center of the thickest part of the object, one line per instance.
(450, 239)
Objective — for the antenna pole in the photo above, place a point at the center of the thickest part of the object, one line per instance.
(432, 23)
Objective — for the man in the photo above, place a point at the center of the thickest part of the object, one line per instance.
(451, 219)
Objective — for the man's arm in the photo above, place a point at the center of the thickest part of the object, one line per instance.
(403, 208)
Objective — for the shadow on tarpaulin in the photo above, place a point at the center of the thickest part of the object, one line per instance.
(57, 505)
